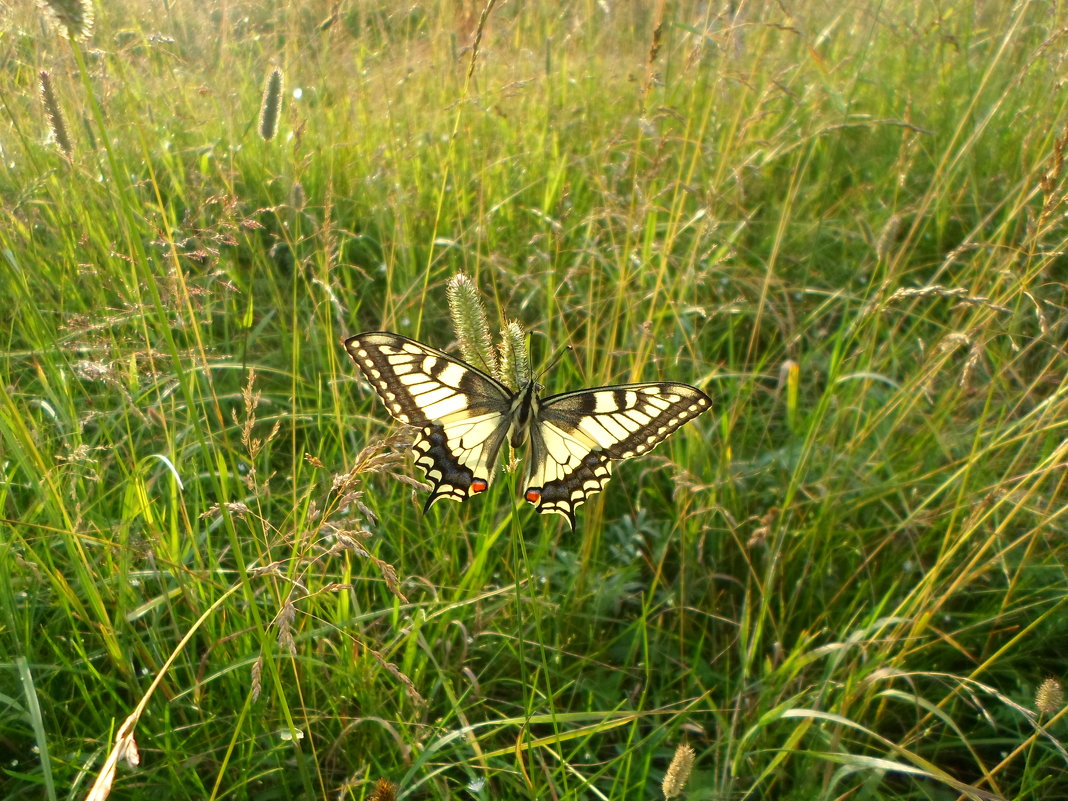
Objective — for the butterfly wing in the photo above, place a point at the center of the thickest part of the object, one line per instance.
(577, 436)
(461, 413)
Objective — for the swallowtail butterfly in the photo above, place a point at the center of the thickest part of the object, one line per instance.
(464, 416)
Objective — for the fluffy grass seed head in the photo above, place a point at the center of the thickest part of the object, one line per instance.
(71, 18)
(385, 790)
(678, 772)
(471, 324)
(1049, 699)
(271, 105)
(513, 362)
(54, 114)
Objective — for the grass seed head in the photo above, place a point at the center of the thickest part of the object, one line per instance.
(271, 105)
(284, 622)
(257, 678)
(71, 18)
(471, 324)
(678, 772)
(54, 114)
(385, 790)
(1049, 699)
(514, 365)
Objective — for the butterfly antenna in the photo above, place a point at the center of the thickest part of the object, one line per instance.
(565, 349)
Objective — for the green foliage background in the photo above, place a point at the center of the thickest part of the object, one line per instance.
(844, 221)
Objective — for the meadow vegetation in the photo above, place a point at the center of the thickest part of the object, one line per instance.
(844, 221)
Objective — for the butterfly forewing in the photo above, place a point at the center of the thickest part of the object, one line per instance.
(461, 413)
(578, 435)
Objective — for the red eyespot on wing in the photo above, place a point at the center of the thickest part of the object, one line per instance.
(479, 485)
(533, 495)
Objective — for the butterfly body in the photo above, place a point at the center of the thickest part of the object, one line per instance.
(464, 416)
(523, 411)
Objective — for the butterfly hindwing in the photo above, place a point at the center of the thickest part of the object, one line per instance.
(459, 470)
(460, 412)
(577, 436)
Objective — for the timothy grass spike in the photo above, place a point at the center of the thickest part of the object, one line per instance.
(471, 324)
(271, 105)
(512, 352)
(54, 114)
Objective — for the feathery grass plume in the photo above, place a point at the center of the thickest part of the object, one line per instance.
(1049, 699)
(271, 105)
(678, 772)
(471, 324)
(54, 114)
(513, 362)
(71, 18)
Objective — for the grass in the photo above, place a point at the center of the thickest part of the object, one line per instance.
(844, 223)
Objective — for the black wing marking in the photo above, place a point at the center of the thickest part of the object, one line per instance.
(578, 435)
(461, 413)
